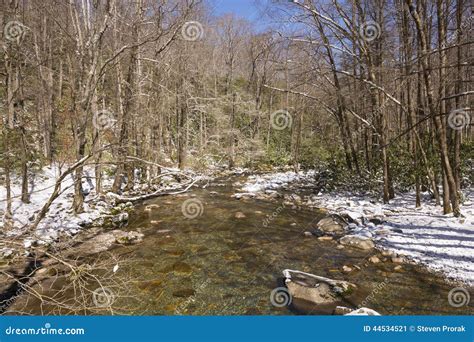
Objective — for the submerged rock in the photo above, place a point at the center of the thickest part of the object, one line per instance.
(239, 215)
(105, 241)
(357, 241)
(178, 268)
(184, 293)
(150, 285)
(151, 207)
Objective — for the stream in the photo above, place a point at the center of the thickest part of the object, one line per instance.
(217, 264)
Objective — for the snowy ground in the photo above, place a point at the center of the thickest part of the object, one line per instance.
(276, 180)
(60, 218)
(441, 242)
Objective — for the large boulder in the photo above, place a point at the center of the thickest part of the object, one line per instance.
(310, 292)
(357, 241)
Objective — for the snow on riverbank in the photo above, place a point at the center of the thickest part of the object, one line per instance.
(277, 180)
(60, 218)
(441, 242)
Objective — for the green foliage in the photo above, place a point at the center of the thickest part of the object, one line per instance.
(313, 152)
(277, 157)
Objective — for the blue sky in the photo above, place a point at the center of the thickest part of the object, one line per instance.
(248, 9)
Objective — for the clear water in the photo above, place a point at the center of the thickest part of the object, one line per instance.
(216, 264)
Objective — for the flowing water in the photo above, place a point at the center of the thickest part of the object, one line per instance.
(217, 264)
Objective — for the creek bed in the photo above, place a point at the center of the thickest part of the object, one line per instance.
(217, 264)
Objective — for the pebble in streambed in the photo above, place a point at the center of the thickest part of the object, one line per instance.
(184, 293)
(150, 285)
(178, 267)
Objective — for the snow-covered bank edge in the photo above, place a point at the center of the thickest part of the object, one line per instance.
(60, 223)
(442, 243)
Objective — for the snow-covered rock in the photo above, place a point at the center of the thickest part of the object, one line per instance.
(363, 312)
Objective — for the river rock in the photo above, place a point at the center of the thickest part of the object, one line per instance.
(181, 268)
(239, 215)
(151, 207)
(382, 231)
(357, 241)
(325, 238)
(342, 310)
(163, 231)
(105, 241)
(324, 292)
(363, 312)
(293, 198)
(150, 285)
(388, 253)
(332, 225)
(115, 221)
(127, 238)
(346, 269)
(374, 259)
(244, 195)
(184, 293)
(397, 260)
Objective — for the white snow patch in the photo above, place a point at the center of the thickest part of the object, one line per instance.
(276, 180)
(441, 242)
(60, 218)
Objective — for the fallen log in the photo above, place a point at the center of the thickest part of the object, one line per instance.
(123, 199)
